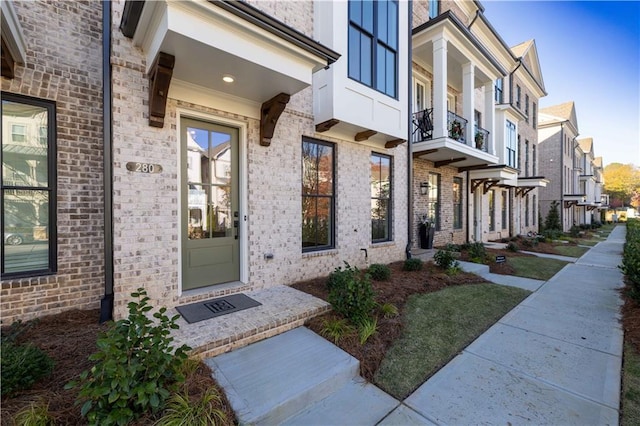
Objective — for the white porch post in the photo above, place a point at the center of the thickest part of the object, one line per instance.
(468, 71)
(490, 116)
(440, 88)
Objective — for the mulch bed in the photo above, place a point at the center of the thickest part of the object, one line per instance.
(631, 321)
(397, 290)
(69, 338)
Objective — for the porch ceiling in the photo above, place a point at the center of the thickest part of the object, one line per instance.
(447, 152)
(212, 40)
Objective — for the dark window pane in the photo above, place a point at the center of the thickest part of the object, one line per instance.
(308, 221)
(391, 74)
(26, 230)
(325, 170)
(366, 60)
(324, 225)
(354, 53)
(382, 21)
(380, 68)
(392, 37)
(355, 11)
(317, 195)
(367, 16)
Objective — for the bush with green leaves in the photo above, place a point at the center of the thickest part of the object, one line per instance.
(136, 366)
(574, 231)
(631, 258)
(22, 366)
(552, 234)
(477, 252)
(552, 222)
(529, 242)
(445, 259)
(335, 329)
(366, 329)
(413, 264)
(513, 247)
(389, 310)
(351, 293)
(379, 272)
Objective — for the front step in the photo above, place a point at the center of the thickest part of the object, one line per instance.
(272, 381)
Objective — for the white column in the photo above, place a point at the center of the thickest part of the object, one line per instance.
(468, 71)
(440, 88)
(490, 117)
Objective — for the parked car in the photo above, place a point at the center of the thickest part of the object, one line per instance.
(13, 238)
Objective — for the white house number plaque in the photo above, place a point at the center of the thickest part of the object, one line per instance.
(144, 167)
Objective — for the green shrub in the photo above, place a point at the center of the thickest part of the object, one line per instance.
(367, 328)
(574, 231)
(35, 414)
(22, 366)
(477, 251)
(452, 247)
(379, 272)
(136, 367)
(352, 294)
(389, 310)
(413, 264)
(182, 410)
(552, 234)
(529, 242)
(444, 259)
(631, 258)
(513, 247)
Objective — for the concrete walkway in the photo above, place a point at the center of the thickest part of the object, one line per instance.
(555, 359)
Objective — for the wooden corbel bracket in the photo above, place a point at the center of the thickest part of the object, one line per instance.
(270, 113)
(159, 80)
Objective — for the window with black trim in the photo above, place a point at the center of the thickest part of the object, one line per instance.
(434, 8)
(457, 203)
(534, 115)
(381, 189)
(373, 44)
(504, 209)
(518, 96)
(526, 210)
(526, 108)
(511, 144)
(28, 186)
(498, 91)
(318, 199)
(492, 210)
(433, 200)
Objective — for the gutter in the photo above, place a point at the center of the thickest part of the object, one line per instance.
(106, 304)
(409, 142)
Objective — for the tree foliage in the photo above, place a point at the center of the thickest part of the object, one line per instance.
(622, 182)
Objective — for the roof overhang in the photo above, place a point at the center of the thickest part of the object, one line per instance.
(492, 176)
(448, 152)
(14, 46)
(529, 183)
(573, 200)
(213, 39)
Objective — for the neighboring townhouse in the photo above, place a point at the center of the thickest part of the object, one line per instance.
(600, 198)
(468, 104)
(527, 87)
(53, 251)
(590, 182)
(248, 145)
(557, 142)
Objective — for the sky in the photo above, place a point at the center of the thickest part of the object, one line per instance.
(589, 53)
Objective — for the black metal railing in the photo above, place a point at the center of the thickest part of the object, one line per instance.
(422, 122)
(456, 126)
(481, 139)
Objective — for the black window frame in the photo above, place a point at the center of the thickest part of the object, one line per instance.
(332, 197)
(504, 209)
(376, 42)
(511, 151)
(526, 210)
(526, 107)
(435, 201)
(389, 199)
(492, 210)
(434, 11)
(534, 113)
(518, 95)
(458, 204)
(498, 91)
(51, 188)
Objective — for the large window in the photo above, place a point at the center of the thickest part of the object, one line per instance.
(318, 203)
(381, 186)
(518, 96)
(534, 216)
(373, 44)
(433, 200)
(534, 115)
(534, 156)
(504, 209)
(457, 203)
(526, 157)
(511, 144)
(526, 108)
(28, 186)
(526, 210)
(498, 91)
(492, 210)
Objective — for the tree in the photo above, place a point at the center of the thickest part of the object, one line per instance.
(553, 218)
(622, 182)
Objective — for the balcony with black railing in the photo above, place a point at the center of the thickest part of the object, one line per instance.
(457, 127)
(481, 139)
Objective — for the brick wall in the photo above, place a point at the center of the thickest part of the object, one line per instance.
(64, 65)
(147, 234)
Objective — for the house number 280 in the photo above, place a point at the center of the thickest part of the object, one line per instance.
(144, 167)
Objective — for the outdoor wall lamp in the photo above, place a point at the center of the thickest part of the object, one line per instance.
(424, 188)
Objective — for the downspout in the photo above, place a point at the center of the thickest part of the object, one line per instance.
(409, 142)
(106, 304)
(511, 81)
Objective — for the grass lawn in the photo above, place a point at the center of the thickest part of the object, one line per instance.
(571, 251)
(438, 326)
(539, 268)
(631, 387)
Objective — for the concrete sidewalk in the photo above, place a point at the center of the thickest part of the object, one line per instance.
(555, 359)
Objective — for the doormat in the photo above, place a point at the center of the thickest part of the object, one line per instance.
(211, 308)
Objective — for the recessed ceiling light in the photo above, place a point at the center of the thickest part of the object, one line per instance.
(228, 78)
